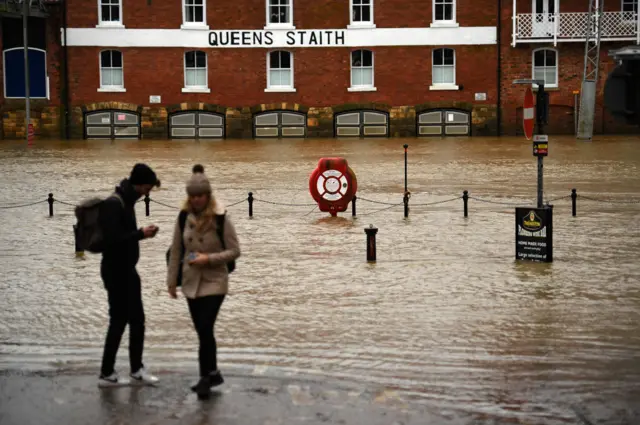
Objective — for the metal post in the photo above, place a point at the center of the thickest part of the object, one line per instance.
(147, 201)
(540, 130)
(574, 197)
(50, 200)
(405, 168)
(250, 201)
(353, 205)
(371, 243)
(25, 18)
(465, 200)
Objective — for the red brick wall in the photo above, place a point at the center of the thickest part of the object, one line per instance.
(237, 77)
(251, 14)
(517, 63)
(54, 55)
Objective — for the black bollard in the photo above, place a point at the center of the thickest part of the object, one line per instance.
(405, 199)
(79, 251)
(147, 201)
(50, 201)
(465, 201)
(353, 206)
(574, 197)
(371, 243)
(250, 200)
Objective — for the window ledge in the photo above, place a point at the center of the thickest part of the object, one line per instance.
(196, 90)
(356, 89)
(194, 26)
(445, 25)
(363, 26)
(444, 87)
(112, 90)
(113, 26)
(546, 88)
(279, 27)
(280, 90)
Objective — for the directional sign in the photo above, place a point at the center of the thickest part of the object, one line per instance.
(528, 113)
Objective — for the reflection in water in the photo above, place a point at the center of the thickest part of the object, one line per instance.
(446, 316)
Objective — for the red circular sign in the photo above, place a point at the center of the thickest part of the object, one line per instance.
(332, 185)
(528, 114)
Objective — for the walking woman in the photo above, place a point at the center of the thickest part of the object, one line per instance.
(204, 249)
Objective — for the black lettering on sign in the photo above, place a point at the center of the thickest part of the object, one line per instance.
(269, 38)
(224, 38)
(340, 37)
(290, 38)
(235, 39)
(313, 40)
(246, 38)
(213, 38)
(257, 38)
(302, 33)
(328, 34)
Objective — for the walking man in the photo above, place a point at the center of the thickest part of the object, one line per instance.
(121, 252)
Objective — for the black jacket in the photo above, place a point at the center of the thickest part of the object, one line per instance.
(121, 235)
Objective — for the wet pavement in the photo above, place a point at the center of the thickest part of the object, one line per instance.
(72, 397)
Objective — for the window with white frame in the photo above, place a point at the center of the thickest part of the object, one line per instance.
(443, 71)
(194, 13)
(280, 13)
(110, 12)
(630, 6)
(111, 71)
(545, 67)
(280, 71)
(362, 70)
(362, 13)
(195, 71)
(444, 11)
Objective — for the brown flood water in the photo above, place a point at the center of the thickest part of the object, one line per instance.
(446, 316)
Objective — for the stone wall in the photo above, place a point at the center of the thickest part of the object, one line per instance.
(154, 120)
(46, 120)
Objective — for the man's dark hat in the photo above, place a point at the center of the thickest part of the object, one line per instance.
(143, 174)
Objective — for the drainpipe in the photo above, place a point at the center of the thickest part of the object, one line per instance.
(499, 69)
(65, 66)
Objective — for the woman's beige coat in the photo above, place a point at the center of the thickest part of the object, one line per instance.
(210, 279)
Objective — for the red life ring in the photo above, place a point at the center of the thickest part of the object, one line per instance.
(332, 185)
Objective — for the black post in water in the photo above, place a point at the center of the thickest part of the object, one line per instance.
(465, 201)
(541, 140)
(50, 201)
(405, 168)
(79, 251)
(147, 201)
(405, 199)
(574, 197)
(371, 243)
(353, 206)
(250, 200)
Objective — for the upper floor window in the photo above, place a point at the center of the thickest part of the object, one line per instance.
(443, 68)
(109, 12)
(630, 6)
(280, 71)
(362, 71)
(545, 67)
(361, 13)
(111, 71)
(280, 13)
(194, 13)
(444, 12)
(195, 72)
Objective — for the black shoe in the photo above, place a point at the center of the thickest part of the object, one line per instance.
(203, 387)
(215, 379)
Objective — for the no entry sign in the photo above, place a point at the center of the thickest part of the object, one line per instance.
(528, 114)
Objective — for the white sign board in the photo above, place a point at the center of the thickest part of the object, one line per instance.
(154, 99)
(541, 138)
(481, 96)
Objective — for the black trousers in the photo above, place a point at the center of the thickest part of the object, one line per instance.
(125, 307)
(204, 311)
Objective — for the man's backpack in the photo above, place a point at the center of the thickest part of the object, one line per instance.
(182, 220)
(89, 233)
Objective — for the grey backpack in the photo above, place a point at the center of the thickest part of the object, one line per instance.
(89, 236)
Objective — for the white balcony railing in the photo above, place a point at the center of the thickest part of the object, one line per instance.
(572, 26)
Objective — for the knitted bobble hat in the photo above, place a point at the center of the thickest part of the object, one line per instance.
(198, 184)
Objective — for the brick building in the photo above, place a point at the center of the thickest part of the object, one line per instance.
(300, 68)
